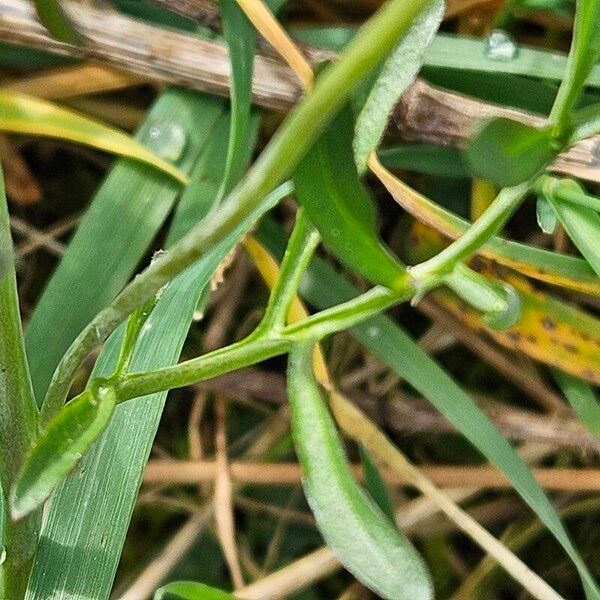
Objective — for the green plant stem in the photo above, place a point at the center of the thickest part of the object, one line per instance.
(347, 314)
(243, 354)
(18, 418)
(373, 42)
(490, 223)
(258, 346)
(582, 56)
(303, 242)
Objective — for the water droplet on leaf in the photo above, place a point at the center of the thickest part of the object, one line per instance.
(500, 46)
(167, 140)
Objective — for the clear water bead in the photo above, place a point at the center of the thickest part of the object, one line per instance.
(500, 46)
(167, 140)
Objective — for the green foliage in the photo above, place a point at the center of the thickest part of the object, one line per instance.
(327, 185)
(506, 152)
(189, 590)
(397, 73)
(58, 449)
(92, 451)
(376, 552)
(53, 16)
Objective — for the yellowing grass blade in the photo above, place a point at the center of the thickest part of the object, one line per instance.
(550, 331)
(24, 114)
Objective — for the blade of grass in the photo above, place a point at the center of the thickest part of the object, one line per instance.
(18, 417)
(113, 236)
(582, 398)
(24, 114)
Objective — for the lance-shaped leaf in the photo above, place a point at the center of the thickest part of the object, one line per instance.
(507, 152)
(362, 536)
(24, 114)
(582, 224)
(190, 590)
(60, 447)
(398, 72)
(582, 399)
(338, 205)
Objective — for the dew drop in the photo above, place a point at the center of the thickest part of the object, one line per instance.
(500, 46)
(546, 217)
(373, 332)
(167, 140)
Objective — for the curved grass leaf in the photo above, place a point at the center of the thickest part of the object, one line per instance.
(59, 448)
(24, 114)
(241, 40)
(364, 539)
(582, 399)
(507, 152)
(398, 72)
(375, 484)
(190, 590)
(324, 288)
(327, 185)
(18, 417)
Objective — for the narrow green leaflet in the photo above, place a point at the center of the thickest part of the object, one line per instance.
(398, 72)
(582, 399)
(327, 185)
(189, 590)
(375, 484)
(52, 15)
(582, 224)
(59, 448)
(507, 152)
(116, 231)
(24, 114)
(18, 416)
(241, 40)
(324, 288)
(376, 552)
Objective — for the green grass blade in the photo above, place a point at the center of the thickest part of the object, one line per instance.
(189, 590)
(56, 21)
(116, 231)
(108, 477)
(323, 287)
(241, 39)
(582, 399)
(18, 415)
